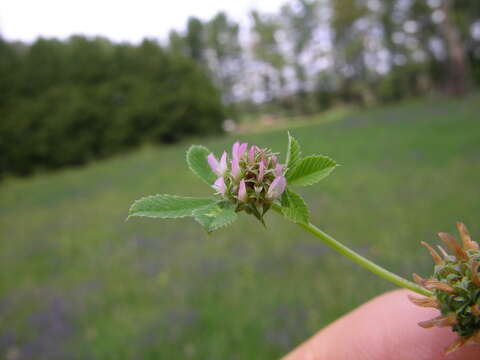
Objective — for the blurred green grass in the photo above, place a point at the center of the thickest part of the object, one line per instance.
(77, 281)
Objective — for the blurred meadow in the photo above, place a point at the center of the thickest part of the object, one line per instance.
(77, 281)
(92, 120)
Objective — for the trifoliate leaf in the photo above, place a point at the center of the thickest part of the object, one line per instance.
(216, 216)
(168, 206)
(293, 154)
(294, 207)
(197, 162)
(311, 170)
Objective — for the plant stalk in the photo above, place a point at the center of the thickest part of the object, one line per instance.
(359, 259)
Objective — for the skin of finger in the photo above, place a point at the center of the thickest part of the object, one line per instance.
(384, 328)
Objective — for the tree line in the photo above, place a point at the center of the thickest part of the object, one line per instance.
(67, 102)
(313, 54)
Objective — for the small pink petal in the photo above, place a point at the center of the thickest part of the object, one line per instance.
(242, 192)
(274, 160)
(277, 187)
(261, 170)
(219, 185)
(214, 164)
(241, 149)
(223, 164)
(235, 168)
(251, 154)
(235, 147)
(278, 170)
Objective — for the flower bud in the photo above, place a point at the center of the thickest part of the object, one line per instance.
(251, 155)
(235, 168)
(278, 170)
(261, 171)
(218, 167)
(242, 192)
(220, 186)
(277, 187)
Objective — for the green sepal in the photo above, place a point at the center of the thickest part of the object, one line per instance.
(168, 206)
(294, 207)
(198, 163)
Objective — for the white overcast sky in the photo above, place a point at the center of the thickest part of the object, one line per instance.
(119, 20)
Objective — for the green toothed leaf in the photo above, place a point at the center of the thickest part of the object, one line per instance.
(293, 154)
(311, 170)
(294, 207)
(198, 163)
(216, 216)
(168, 206)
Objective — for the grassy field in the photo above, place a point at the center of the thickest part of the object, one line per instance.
(78, 282)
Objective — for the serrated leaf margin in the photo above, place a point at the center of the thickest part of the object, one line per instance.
(290, 198)
(294, 154)
(305, 175)
(189, 211)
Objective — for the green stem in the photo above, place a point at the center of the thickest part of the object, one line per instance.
(342, 249)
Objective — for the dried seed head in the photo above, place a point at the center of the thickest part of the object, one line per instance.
(456, 288)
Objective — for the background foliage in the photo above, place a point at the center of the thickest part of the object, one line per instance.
(68, 102)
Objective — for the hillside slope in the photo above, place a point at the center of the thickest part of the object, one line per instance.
(77, 281)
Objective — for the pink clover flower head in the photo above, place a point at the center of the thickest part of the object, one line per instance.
(277, 187)
(218, 167)
(250, 177)
(220, 186)
(242, 192)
